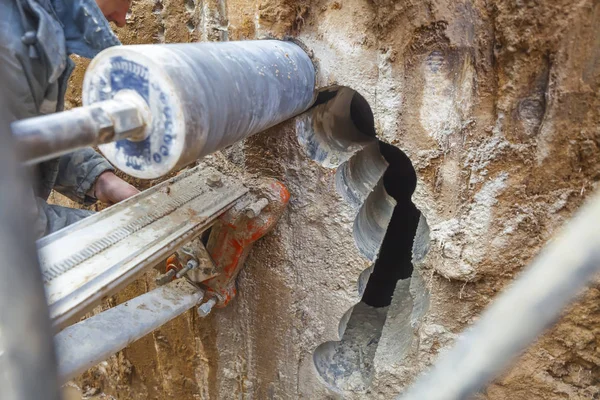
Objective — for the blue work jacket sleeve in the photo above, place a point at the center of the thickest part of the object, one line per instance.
(78, 172)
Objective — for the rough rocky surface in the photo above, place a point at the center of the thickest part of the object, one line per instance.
(496, 105)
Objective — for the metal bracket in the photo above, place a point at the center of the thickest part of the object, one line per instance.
(194, 252)
(232, 237)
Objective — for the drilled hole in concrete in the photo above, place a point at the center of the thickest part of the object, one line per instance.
(362, 116)
(160, 34)
(157, 7)
(190, 5)
(326, 95)
(205, 236)
(395, 255)
(191, 26)
(327, 131)
(348, 365)
(378, 180)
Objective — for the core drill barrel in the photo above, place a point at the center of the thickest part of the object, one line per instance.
(202, 96)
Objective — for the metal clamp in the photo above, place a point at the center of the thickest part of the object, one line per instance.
(235, 232)
(229, 243)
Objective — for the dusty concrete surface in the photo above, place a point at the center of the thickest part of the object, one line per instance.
(496, 105)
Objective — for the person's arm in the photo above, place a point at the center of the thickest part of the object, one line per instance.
(111, 189)
(17, 102)
(85, 176)
(52, 218)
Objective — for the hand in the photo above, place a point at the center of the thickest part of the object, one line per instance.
(111, 189)
(115, 10)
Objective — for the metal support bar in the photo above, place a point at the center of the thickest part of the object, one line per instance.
(49, 136)
(85, 344)
(514, 320)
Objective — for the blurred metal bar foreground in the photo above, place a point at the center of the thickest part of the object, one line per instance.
(514, 320)
(27, 362)
(85, 344)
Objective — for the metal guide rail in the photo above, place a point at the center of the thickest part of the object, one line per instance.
(90, 260)
(168, 221)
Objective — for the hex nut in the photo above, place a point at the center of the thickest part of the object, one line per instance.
(205, 308)
(214, 180)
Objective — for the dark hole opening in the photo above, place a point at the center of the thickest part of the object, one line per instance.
(158, 7)
(205, 236)
(325, 95)
(348, 365)
(395, 256)
(362, 116)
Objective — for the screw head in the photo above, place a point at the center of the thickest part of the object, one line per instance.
(205, 308)
(255, 208)
(214, 180)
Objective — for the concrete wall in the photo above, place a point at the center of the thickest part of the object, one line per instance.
(495, 104)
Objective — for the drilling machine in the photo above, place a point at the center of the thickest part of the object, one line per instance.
(153, 109)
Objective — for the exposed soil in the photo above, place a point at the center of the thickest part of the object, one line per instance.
(496, 104)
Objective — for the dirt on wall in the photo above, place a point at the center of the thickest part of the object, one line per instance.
(496, 106)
